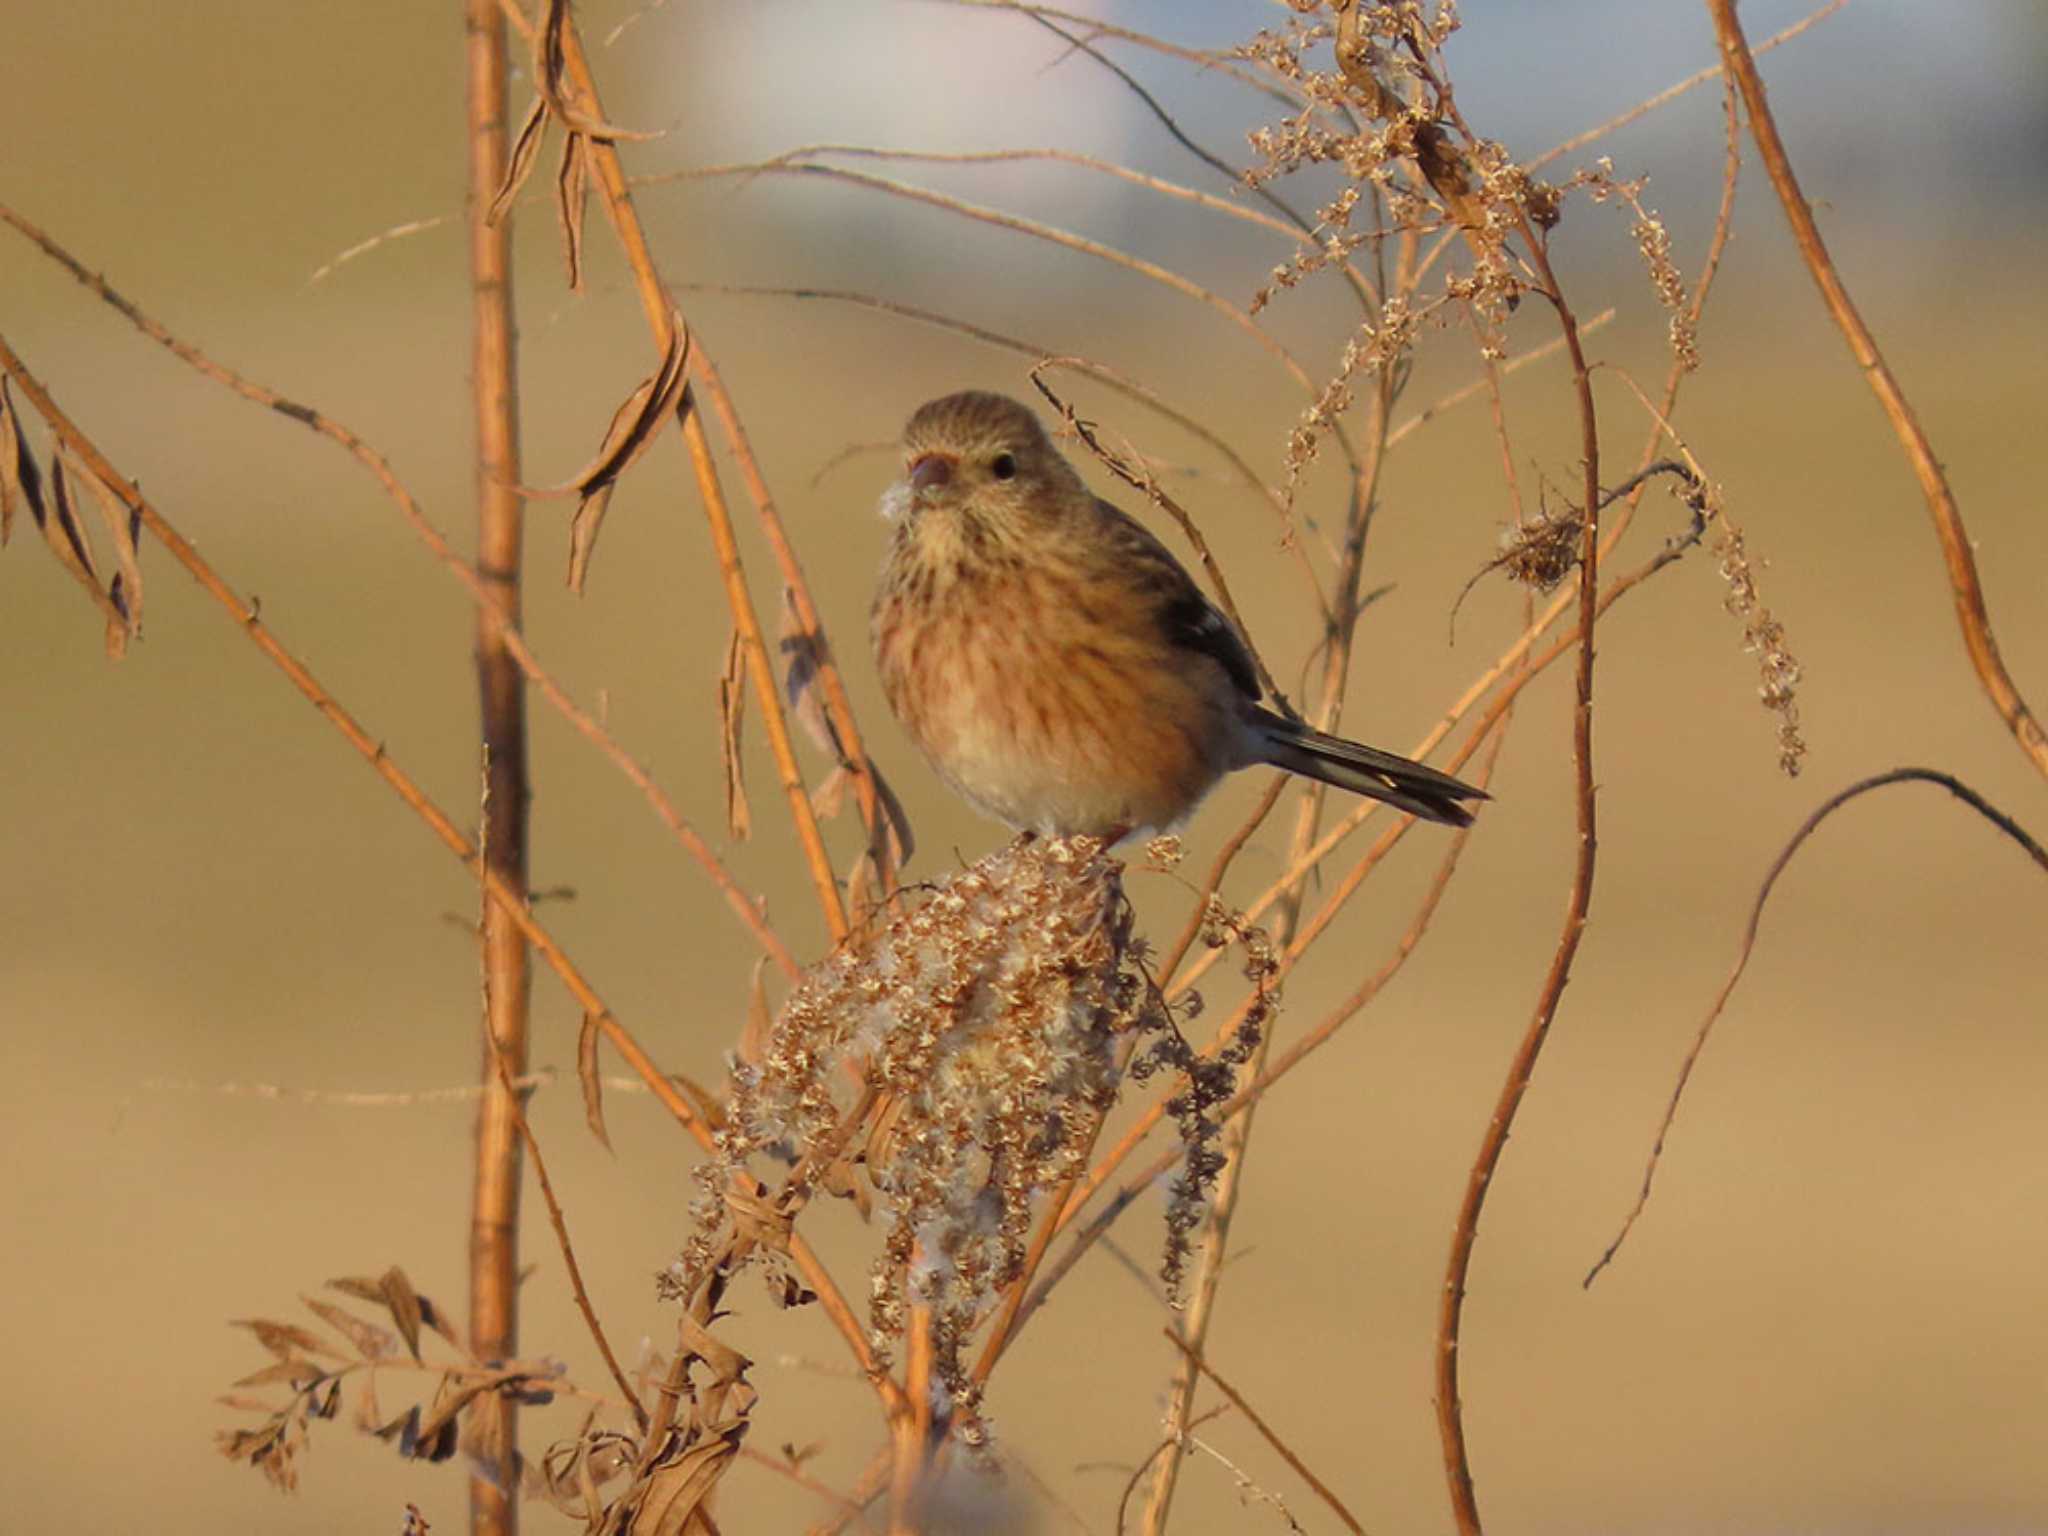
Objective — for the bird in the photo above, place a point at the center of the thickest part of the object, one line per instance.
(1055, 663)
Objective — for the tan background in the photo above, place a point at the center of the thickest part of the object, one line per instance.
(1830, 1318)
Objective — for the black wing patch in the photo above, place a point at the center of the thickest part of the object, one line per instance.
(1193, 622)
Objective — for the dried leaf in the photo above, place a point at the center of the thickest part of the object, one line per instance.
(629, 436)
(572, 189)
(245, 1404)
(404, 1303)
(367, 1413)
(669, 1499)
(898, 820)
(593, 1085)
(393, 1291)
(327, 1404)
(287, 1341)
(551, 71)
(21, 482)
(295, 1369)
(525, 155)
(583, 529)
(752, 1049)
(370, 1341)
(802, 661)
(732, 710)
(124, 523)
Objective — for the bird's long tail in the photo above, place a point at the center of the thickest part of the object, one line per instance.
(1363, 770)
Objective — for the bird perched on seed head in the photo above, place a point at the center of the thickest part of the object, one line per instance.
(1055, 662)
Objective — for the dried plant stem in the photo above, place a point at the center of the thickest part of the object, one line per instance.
(1671, 93)
(659, 307)
(1236, 1135)
(1280, 1447)
(503, 1080)
(507, 980)
(1236, 314)
(1971, 613)
(911, 1435)
(1449, 1408)
(838, 705)
(742, 905)
(1807, 828)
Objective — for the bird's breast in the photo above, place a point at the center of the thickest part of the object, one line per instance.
(1040, 698)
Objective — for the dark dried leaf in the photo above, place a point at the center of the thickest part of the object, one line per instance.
(572, 188)
(287, 1341)
(525, 155)
(405, 1305)
(593, 1085)
(630, 434)
(327, 1404)
(802, 660)
(21, 482)
(64, 533)
(370, 1341)
(732, 710)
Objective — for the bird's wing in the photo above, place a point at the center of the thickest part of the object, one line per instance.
(1188, 618)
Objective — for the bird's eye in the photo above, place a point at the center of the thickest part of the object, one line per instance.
(1003, 466)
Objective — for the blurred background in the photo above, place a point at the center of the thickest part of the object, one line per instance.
(1828, 1321)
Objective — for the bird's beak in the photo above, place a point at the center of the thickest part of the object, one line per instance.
(930, 471)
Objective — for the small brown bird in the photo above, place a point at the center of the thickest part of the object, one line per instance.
(1055, 662)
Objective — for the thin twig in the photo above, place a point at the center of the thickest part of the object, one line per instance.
(1807, 828)
(1672, 92)
(1280, 1447)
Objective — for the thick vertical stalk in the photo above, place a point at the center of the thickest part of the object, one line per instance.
(494, 1207)
(1345, 608)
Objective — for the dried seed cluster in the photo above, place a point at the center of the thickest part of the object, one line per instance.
(959, 1061)
(1763, 637)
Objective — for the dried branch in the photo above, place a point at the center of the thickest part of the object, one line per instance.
(1280, 1447)
(1807, 828)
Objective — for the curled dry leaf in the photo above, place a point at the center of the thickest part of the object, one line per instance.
(593, 1085)
(668, 1498)
(630, 434)
(525, 155)
(124, 524)
(572, 187)
(66, 536)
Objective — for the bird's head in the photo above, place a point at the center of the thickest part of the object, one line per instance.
(983, 456)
